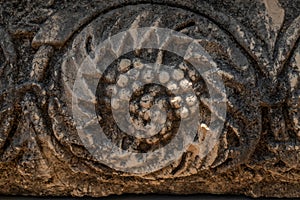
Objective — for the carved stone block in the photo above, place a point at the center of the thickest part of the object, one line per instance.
(139, 96)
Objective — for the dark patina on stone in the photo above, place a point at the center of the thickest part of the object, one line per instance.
(254, 44)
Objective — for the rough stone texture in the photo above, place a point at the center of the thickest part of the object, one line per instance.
(255, 44)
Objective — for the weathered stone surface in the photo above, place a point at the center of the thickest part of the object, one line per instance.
(232, 68)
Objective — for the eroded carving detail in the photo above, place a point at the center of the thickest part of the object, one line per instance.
(259, 63)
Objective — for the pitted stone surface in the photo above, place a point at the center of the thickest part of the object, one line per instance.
(252, 45)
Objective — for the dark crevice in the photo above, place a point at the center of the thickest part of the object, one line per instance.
(187, 24)
(10, 136)
(232, 138)
(88, 47)
(180, 165)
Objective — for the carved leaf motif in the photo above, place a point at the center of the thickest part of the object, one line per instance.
(30, 22)
(8, 59)
(273, 19)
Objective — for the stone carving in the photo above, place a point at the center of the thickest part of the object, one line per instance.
(255, 46)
